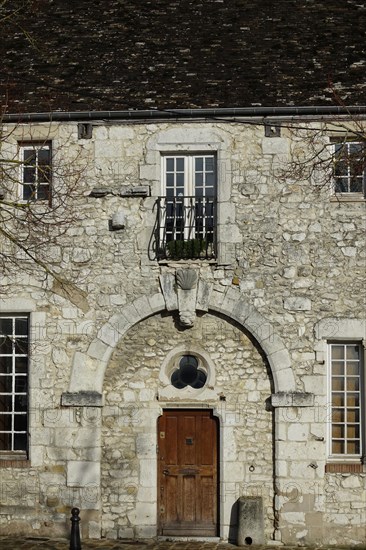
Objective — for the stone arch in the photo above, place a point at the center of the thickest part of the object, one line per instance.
(88, 368)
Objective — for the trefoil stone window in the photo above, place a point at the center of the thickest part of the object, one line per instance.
(188, 372)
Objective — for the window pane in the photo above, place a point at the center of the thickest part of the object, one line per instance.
(29, 156)
(6, 365)
(338, 368)
(356, 185)
(337, 384)
(338, 415)
(6, 403)
(353, 384)
(353, 352)
(20, 442)
(6, 345)
(353, 415)
(353, 400)
(43, 156)
(180, 181)
(5, 441)
(29, 192)
(6, 384)
(21, 345)
(20, 403)
(180, 165)
(170, 164)
(21, 364)
(353, 431)
(338, 431)
(21, 327)
(199, 164)
(353, 447)
(20, 422)
(6, 326)
(199, 178)
(353, 369)
(5, 422)
(338, 399)
(43, 192)
(337, 352)
(29, 175)
(338, 447)
(341, 185)
(20, 384)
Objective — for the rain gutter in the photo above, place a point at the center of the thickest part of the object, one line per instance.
(153, 114)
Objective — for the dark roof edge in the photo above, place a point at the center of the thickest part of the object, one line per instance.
(184, 113)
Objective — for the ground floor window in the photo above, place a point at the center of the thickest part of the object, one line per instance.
(346, 398)
(14, 355)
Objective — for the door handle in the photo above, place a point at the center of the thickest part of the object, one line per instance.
(166, 472)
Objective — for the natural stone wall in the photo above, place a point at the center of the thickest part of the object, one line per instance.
(294, 256)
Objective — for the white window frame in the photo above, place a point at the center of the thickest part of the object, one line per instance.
(35, 147)
(333, 408)
(15, 376)
(189, 189)
(346, 144)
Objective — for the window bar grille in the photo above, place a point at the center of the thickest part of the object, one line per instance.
(186, 227)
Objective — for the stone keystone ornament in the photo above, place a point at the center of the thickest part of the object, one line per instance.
(186, 279)
(185, 292)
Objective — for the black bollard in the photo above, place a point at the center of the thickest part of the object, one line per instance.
(75, 543)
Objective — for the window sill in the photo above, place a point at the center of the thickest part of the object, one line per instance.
(17, 463)
(344, 468)
(348, 197)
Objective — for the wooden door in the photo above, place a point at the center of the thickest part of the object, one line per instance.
(187, 476)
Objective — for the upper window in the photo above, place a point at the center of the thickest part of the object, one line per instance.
(349, 167)
(346, 400)
(35, 177)
(187, 208)
(13, 383)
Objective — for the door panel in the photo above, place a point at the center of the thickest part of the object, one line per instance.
(187, 476)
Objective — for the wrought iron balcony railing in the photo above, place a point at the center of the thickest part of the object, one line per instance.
(186, 228)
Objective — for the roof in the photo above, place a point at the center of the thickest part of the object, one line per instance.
(65, 55)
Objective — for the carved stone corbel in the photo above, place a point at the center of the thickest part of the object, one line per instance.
(186, 293)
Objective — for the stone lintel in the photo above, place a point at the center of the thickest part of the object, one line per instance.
(292, 399)
(82, 399)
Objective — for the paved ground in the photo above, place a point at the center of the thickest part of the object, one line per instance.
(34, 543)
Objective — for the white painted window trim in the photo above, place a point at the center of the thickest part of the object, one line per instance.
(345, 457)
(36, 146)
(346, 195)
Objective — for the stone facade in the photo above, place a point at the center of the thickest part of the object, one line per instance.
(287, 279)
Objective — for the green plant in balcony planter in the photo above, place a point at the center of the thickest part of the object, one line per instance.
(185, 250)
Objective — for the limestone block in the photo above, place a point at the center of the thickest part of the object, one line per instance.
(142, 306)
(157, 302)
(99, 350)
(297, 303)
(292, 399)
(81, 399)
(167, 282)
(83, 474)
(204, 292)
(146, 513)
(146, 467)
(275, 146)
(84, 376)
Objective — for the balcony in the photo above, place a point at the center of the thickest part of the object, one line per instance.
(186, 228)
